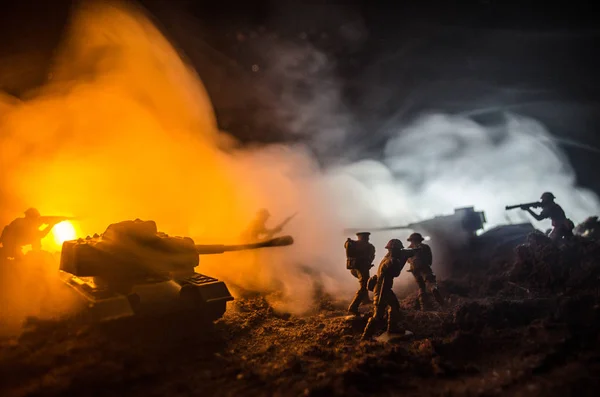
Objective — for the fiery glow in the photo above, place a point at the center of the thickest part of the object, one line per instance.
(62, 232)
(125, 130)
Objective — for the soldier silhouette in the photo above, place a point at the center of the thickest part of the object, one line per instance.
(26, 231)
(360, 254)
(561, 225)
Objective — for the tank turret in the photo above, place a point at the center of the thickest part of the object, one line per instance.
(132, 268)
(455, 229)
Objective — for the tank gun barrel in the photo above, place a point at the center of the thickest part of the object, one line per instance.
(464, 219)
(378, 229)
(222, 248)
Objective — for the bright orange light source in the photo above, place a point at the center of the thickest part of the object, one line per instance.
(63, 231)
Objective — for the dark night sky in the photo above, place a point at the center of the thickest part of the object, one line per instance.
(541, 61)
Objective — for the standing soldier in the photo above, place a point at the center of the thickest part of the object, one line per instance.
(360, 254)
(390, 267)
(420, 267)
(561, 225)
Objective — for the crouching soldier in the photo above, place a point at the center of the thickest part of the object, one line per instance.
(420, 267)
(392, 264)
(562, 227)
(360, 254)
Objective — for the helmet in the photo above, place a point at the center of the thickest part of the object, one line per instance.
(32, 212)
(394, 244)
(415, 237)
(263, 212)
(547, 196)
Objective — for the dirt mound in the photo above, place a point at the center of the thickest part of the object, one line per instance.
(511, 327)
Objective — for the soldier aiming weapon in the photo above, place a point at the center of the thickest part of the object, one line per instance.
(26, 231)
(382, 282)
(420, 267)
(561, 225)
(258, 229)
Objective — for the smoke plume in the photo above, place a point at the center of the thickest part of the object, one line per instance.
(124, 129)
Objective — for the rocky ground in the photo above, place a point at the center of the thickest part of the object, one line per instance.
(522, 339)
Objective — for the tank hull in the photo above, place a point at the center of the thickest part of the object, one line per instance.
(196, 295)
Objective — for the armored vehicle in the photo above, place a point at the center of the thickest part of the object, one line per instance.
(133, 269)
(455, 229)
(457, 233)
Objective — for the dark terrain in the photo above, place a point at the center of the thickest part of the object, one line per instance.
(534, 336)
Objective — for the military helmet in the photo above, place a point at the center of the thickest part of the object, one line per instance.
(547, 196)
(263, 212)
(415, 237)
(394, 244)
(32, 212)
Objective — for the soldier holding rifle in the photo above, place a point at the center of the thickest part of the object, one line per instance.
(562, 227)
(258, 229)
(26, 231)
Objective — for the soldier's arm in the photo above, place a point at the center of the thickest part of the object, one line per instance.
(543, 215)
(45, 231)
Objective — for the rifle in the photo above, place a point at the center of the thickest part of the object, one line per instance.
(535, 204)
(279, 227)
(54, 220)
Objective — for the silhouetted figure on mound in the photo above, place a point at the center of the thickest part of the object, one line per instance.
(561, 225)
(360, 254)
(383, 297)
(258, 228)
(420, 267)
(26, 231)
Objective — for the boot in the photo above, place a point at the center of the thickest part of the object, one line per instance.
(369, 329)
(353, 311)
(353, 308)
(393, 327)
(438, 297)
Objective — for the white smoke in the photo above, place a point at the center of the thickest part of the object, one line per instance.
(155, 156)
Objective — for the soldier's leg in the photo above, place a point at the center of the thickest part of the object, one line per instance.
(423, 297)
(394, 314)
(566, 231)
(554, 234)
(362, 291)
(377, 316)
(364, 283)
(11, 250)
(432, 282)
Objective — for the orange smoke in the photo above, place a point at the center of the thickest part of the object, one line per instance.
(123, 130)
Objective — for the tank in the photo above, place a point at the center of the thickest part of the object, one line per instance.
(456, 237)
(455, 229)
(133, 269)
